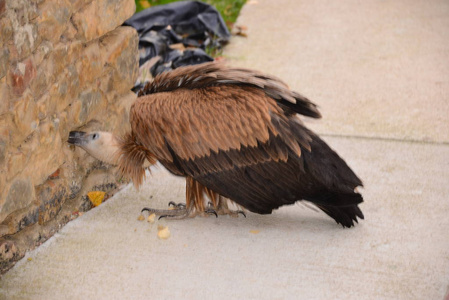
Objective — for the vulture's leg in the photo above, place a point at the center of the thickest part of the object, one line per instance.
(194, 203)
(223, 208)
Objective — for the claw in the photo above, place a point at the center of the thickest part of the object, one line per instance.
(177, 205)
(241, 212)
(211, 212)
(146, 209)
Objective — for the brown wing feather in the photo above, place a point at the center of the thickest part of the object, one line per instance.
(213, 74)
(194, 123)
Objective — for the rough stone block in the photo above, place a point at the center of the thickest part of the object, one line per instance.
(78, 4)
(49, 139)
(44, 107)
(3, 161)
(4, 96)
(90, 105)
(64, 126)
(123, 104)
(2, 7)
(106, 84)
(37, 1)
(20, 193)
(93, 106)
(63, 92)
(100, 17)
(6, 125)
(2, 185)
(8, 253)
(75, 50)
(58, 78)
(69, 34)
(25, 118)
(25, 35)
(45, 69)
(39, 85)
(73, 114)
(37, 147)
(90, 64)
(21, 218)
(53, 19)
(21, 11)
(6, 31)
(42, 52)
(65, 55)
(4, 230)
(4, 142)
(120, 49)
(51, 195)
(16, 163)
(20, 76)
(2, 156)
(4, 57)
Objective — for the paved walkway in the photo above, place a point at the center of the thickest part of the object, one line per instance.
(379, 71)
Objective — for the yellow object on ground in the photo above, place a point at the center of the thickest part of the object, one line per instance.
(96, 197)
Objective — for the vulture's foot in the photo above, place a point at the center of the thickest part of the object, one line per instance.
(178, 213)
(223, 209)
(230, 212)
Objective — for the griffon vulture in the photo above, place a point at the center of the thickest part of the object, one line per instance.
(232, 133)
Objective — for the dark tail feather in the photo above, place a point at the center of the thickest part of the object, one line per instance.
(303, 106)
(344, 215)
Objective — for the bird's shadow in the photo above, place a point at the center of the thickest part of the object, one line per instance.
(285, 219)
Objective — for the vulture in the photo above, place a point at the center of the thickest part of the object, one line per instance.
(234, 134)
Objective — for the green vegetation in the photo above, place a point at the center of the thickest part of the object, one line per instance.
(229, 9)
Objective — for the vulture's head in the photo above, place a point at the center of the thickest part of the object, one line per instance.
(99, 144)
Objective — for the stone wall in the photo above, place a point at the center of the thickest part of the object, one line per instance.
(64, 65)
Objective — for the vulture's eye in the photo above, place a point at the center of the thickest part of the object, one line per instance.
(95, 136)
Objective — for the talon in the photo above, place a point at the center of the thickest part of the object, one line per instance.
(146, 209)
(211, 212)
(241, 212)
(177, 205)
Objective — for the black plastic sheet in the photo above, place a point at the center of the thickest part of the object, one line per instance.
(193, 24)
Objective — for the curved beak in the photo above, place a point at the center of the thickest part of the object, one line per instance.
(77, 138)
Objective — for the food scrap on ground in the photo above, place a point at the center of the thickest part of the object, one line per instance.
(163, 232)
(151, 218)
(96, 197)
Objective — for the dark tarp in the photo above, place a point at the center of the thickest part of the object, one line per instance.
(193, 24)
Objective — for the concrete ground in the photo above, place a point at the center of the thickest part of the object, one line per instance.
(379, 70)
